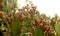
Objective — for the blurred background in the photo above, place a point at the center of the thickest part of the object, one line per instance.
(48, 7)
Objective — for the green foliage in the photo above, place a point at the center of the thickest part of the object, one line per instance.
(15, 27)
(52, 23)
(38, 32)
(8, 6)
(57, 28)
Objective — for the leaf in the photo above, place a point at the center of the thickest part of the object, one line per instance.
(37, 32)
(15, 27)
(52, 23)
(57, 28)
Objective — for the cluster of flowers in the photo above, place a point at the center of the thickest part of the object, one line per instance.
(44, 24)
(25, 13)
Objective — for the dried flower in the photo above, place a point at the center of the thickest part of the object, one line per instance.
(27, 7)
(8, 20)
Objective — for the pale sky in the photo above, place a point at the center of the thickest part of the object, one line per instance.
(49, 7)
